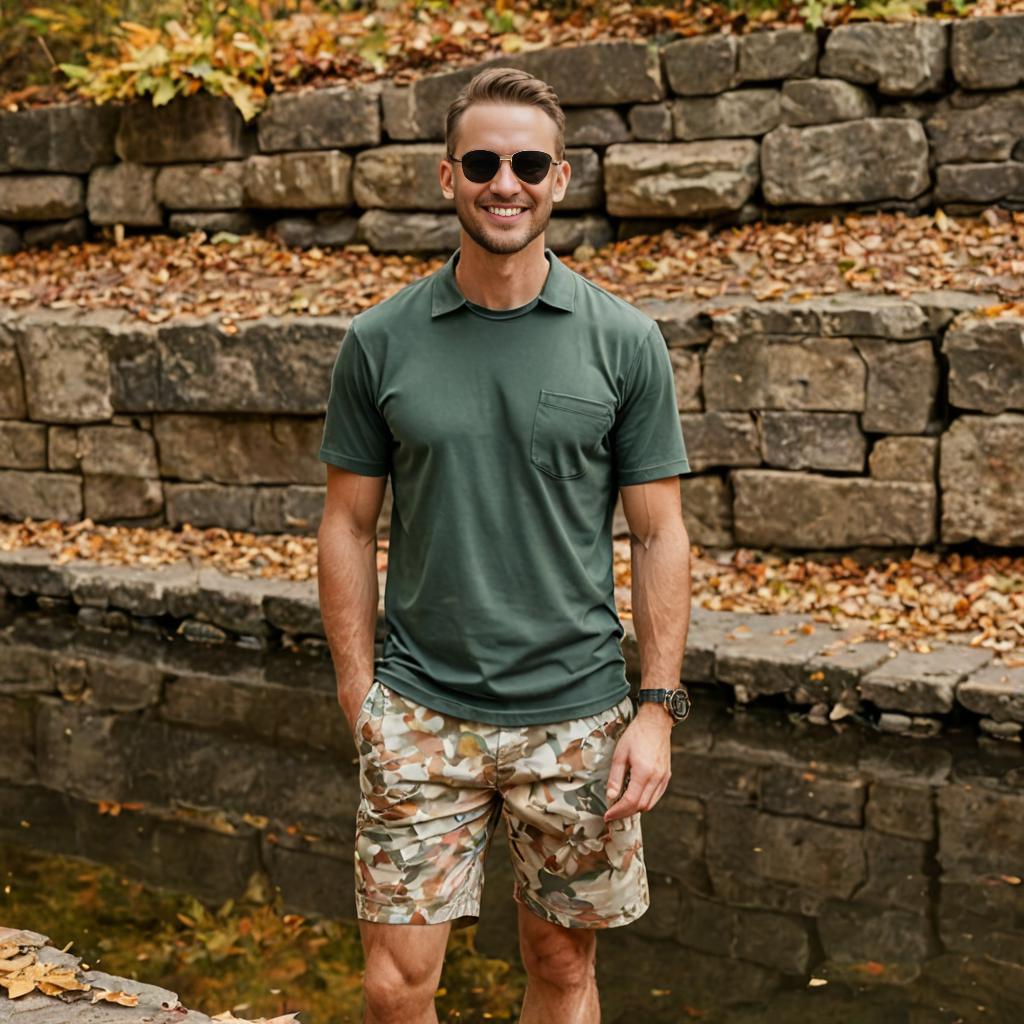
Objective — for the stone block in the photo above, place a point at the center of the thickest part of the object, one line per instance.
(683, 324)
(40, 495)
(276, 714)
(806, 793)
(820, 860)
(976, 126)
(270, 365)
(979, 183)
(202, 127)
(673, 835)
(784, 373)
(294, 607)
(651, 122)
(981, 831)
(234, 222)
(595, 126)
(898, 873)
(783, 53)
(66, 232)
(682, 179)
(773, 940)
(985, 53)
(759, 662)
(210, 505)
(850, 162)
(400, 178)
(32, 570)
(806, 510)
(901, 810)
(702, 65)
(707, 511)
(586, 185)
(10, 239)
(124, 685)
(239, 449)
(40, 196)
(902, 385)
(904, 458)
(738, 113)
(720, 439)
(986, 363)
(12, 387)
(124, 451)
(872, 316)
(124, 193)
(899, 59)
(68, 138)
(22, 445)
(995, 690)
(387, 231)
(855, 933)
(892, 759)
(812, 440)
(299, 181)
(708, 777)
(687, 376)
(832, 675)
(145, 593)
(337, 117)
(114, 497)
(565, 234)
(922, 683)
(981, 471)
(295, 509)
(327, 228)
(824, 101)
(201, 186)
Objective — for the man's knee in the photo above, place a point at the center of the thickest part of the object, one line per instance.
(560, 956)
(403, 966)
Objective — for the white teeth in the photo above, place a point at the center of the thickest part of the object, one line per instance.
(504, 211)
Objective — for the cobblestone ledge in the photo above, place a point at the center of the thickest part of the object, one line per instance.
(833, 673)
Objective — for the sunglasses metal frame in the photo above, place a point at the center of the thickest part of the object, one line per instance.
(510, 158)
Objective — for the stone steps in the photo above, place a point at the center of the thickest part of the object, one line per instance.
(834, 672)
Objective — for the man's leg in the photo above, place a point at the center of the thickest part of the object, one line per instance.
(560, 968)
(403, 967)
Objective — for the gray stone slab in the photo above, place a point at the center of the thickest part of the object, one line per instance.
(996, 690)
(141, 591)
(769, 656)
(33, 571)
(922, 683)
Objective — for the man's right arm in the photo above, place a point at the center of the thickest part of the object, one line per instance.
(347, 580)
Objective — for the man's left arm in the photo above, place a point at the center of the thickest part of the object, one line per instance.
(660, 560)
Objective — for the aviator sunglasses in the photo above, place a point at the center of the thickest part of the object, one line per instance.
(529, 165)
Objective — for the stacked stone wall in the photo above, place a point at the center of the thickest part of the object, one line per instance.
(845, 422)
(722, 128)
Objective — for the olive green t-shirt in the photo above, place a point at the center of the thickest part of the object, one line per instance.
(507, 434)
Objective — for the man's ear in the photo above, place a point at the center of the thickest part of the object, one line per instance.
(446, 176)
(562, 176)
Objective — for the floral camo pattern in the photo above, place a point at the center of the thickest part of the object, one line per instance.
(434, 788)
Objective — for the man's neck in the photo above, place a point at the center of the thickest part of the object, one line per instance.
(501, 281)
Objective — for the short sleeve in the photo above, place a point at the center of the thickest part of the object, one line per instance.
(356, 435)
(648, 436)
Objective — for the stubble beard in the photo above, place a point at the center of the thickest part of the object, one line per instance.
(503, 243)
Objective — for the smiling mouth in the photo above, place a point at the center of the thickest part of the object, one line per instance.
(505, 213)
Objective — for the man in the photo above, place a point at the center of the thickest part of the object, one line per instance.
(508, 398)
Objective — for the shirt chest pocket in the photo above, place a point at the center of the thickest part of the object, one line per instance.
(567, 430)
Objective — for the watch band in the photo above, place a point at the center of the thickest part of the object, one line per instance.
(675, 701)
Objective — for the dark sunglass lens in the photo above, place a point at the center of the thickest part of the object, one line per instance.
(480, 165)
(531, 165)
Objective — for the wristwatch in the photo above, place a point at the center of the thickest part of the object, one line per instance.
(676, 702)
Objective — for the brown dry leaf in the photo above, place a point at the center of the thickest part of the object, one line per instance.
(122, 998)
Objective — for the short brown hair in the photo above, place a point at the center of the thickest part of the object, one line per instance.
(506, 85)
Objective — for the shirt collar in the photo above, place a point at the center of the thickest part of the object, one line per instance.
(558, 291)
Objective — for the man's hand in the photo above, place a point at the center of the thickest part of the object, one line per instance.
(350, 698)
(645, 748)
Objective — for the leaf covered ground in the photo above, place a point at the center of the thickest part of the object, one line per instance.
(911, 603)
(235, 278)
(313, 45)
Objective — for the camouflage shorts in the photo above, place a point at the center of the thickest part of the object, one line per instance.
(434, 788)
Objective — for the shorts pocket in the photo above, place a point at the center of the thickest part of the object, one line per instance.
(367, 706)
(567, 430)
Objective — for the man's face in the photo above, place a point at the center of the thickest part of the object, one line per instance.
(484, 209)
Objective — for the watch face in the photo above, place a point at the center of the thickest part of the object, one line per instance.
(679, 703)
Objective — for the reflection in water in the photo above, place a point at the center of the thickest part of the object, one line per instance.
(797, 871)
